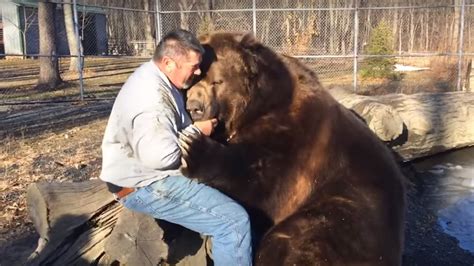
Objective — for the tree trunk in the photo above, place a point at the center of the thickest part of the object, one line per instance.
(23, 32)
(148, 19)
(412, 31)
(395, 23)
(467, 78)
(456, 23)
(184, 17)
(416, 125)
(427, 33)
(71, 36)
(332, 25)
(49, 69)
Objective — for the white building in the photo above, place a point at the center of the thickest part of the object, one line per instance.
(19, 33)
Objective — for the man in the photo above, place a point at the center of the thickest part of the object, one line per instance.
(141, 155)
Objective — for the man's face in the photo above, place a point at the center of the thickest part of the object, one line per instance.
(184, 68)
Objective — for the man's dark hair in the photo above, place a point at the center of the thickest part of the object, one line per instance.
(177, 43)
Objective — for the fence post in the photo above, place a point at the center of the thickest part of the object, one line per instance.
(157, 22)
(254, 18)
(79, 54)
(356, 42)
(460, 45)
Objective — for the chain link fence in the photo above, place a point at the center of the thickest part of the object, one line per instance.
(374, 47)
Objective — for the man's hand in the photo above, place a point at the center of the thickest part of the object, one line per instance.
(206, 126)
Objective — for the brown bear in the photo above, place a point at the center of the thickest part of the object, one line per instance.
(320, 187)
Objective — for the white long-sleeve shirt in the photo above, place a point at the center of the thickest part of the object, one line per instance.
(140, 142)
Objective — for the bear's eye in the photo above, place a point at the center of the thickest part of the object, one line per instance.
(217, 82)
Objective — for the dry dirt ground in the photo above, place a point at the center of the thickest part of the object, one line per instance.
(64, 155)
(60, 142)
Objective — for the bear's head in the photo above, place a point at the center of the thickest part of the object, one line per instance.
(241, 81)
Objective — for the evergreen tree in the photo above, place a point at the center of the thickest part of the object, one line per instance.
(380, 43)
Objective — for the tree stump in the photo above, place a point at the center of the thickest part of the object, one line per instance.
(72, 219)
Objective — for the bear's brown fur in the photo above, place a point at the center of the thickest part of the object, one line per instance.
(320, 187)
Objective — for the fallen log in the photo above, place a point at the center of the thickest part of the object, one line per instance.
(416, 125)
(81, 223)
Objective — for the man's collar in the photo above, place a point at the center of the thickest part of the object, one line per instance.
(163, 76)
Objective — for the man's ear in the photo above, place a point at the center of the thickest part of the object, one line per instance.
(168, 63)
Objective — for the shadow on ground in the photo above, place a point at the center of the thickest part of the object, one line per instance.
(33, 119)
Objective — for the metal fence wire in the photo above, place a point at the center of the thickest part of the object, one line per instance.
(428, 46)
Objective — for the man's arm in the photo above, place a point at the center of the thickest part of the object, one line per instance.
(155, 140)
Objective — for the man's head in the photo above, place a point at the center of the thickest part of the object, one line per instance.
(178, 55)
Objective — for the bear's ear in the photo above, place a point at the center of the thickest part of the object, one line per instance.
(247, 39)
(204, 37)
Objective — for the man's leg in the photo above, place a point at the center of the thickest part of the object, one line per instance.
(183, 201)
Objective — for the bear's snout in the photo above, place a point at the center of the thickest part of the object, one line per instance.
(195, 109)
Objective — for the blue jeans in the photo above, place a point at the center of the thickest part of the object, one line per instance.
(180, 200)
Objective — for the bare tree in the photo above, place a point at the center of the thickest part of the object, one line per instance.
(150, 40)
(456, 21)
(72, 39)
(185, 5)
(28, 20)
(49, 76)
